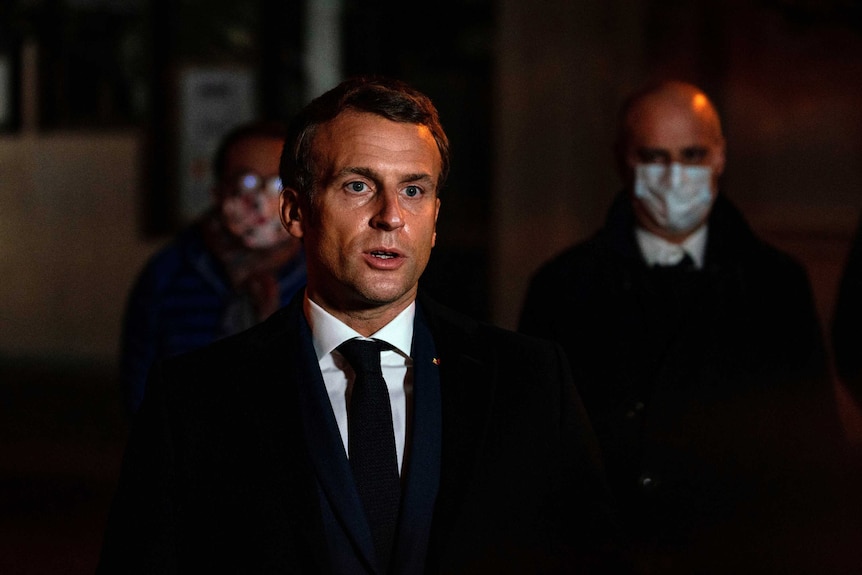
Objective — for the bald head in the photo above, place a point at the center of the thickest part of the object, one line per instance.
(669, 107)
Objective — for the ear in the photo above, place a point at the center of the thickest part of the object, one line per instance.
(291, 212)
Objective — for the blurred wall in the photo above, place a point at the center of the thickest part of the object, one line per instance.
(791, 96)
(70, 243)
(562, 71)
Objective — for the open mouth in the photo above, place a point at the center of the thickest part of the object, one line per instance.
(384, 255)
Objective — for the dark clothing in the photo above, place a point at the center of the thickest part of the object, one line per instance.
(235, 463)
(184, 300)
(847, 319)
(708, 389)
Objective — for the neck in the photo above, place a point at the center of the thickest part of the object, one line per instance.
(364, 319)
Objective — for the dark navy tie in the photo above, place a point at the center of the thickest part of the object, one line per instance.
(371, 444)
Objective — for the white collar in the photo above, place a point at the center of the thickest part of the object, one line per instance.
(328, 332)
(659, 251)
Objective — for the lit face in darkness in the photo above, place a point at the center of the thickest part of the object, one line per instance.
(252, 215)
(371, 224)
(677, 124)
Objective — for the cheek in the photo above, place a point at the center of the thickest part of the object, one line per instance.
(717, 164)
(714, 182)
(247, 203)
(248, 209)
(430, 233)
(234, 210)
(323, 237)
(428, 223)
(269, 205)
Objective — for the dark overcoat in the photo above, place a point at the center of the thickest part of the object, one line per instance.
(708, 390)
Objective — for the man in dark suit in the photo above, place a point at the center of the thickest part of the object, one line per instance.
(697, 351)
(273, 452)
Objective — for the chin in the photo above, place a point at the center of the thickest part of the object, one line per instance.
(379, 295)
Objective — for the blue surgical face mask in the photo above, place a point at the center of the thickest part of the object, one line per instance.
(677, 197)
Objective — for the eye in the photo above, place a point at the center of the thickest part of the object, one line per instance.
(357, 187)
(248, 182)
(694, 155)
(412, 191)
(652, 156)
(273, 185)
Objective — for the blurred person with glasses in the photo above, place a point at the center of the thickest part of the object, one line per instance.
(227, 271)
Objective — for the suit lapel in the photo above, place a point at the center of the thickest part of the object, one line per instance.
(279, 437)
(421, 477)
(327, 450)
(467, 393)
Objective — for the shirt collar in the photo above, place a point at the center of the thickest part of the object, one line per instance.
(328, 332)
(658, 251)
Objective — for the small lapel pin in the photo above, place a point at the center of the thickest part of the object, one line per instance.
(436, 361)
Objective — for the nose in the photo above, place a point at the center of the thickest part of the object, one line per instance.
(673, 174)
(388, 214)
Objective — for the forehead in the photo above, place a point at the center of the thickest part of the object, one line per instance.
(256, 152)
(655, 123)
(361, 139)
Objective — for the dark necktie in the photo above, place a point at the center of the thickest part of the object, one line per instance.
(675, 287)
(371, 444)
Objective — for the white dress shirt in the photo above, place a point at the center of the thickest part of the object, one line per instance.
(397, 366)
(659, 251)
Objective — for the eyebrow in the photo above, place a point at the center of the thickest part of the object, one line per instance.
(373, 175)
(650, 150)
(669, 152)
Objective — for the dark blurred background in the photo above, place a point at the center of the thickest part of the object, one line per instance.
(109, 110)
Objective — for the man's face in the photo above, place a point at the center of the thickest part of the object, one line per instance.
(248, 194)
(666, 130)
(369, 230)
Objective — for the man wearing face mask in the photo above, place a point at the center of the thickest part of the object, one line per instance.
(226, 272)
(697, 351)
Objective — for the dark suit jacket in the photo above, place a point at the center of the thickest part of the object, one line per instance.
(708, 392)
(227, 470)
(847, 319)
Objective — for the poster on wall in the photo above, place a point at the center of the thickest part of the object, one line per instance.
(212, 102)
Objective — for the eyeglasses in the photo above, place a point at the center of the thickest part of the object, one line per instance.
(252, 182)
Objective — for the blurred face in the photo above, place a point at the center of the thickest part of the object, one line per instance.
(249, 193)
(371, 224)
(675, 131)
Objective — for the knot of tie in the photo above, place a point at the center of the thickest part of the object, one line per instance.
(371, 443)
(363, 355)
